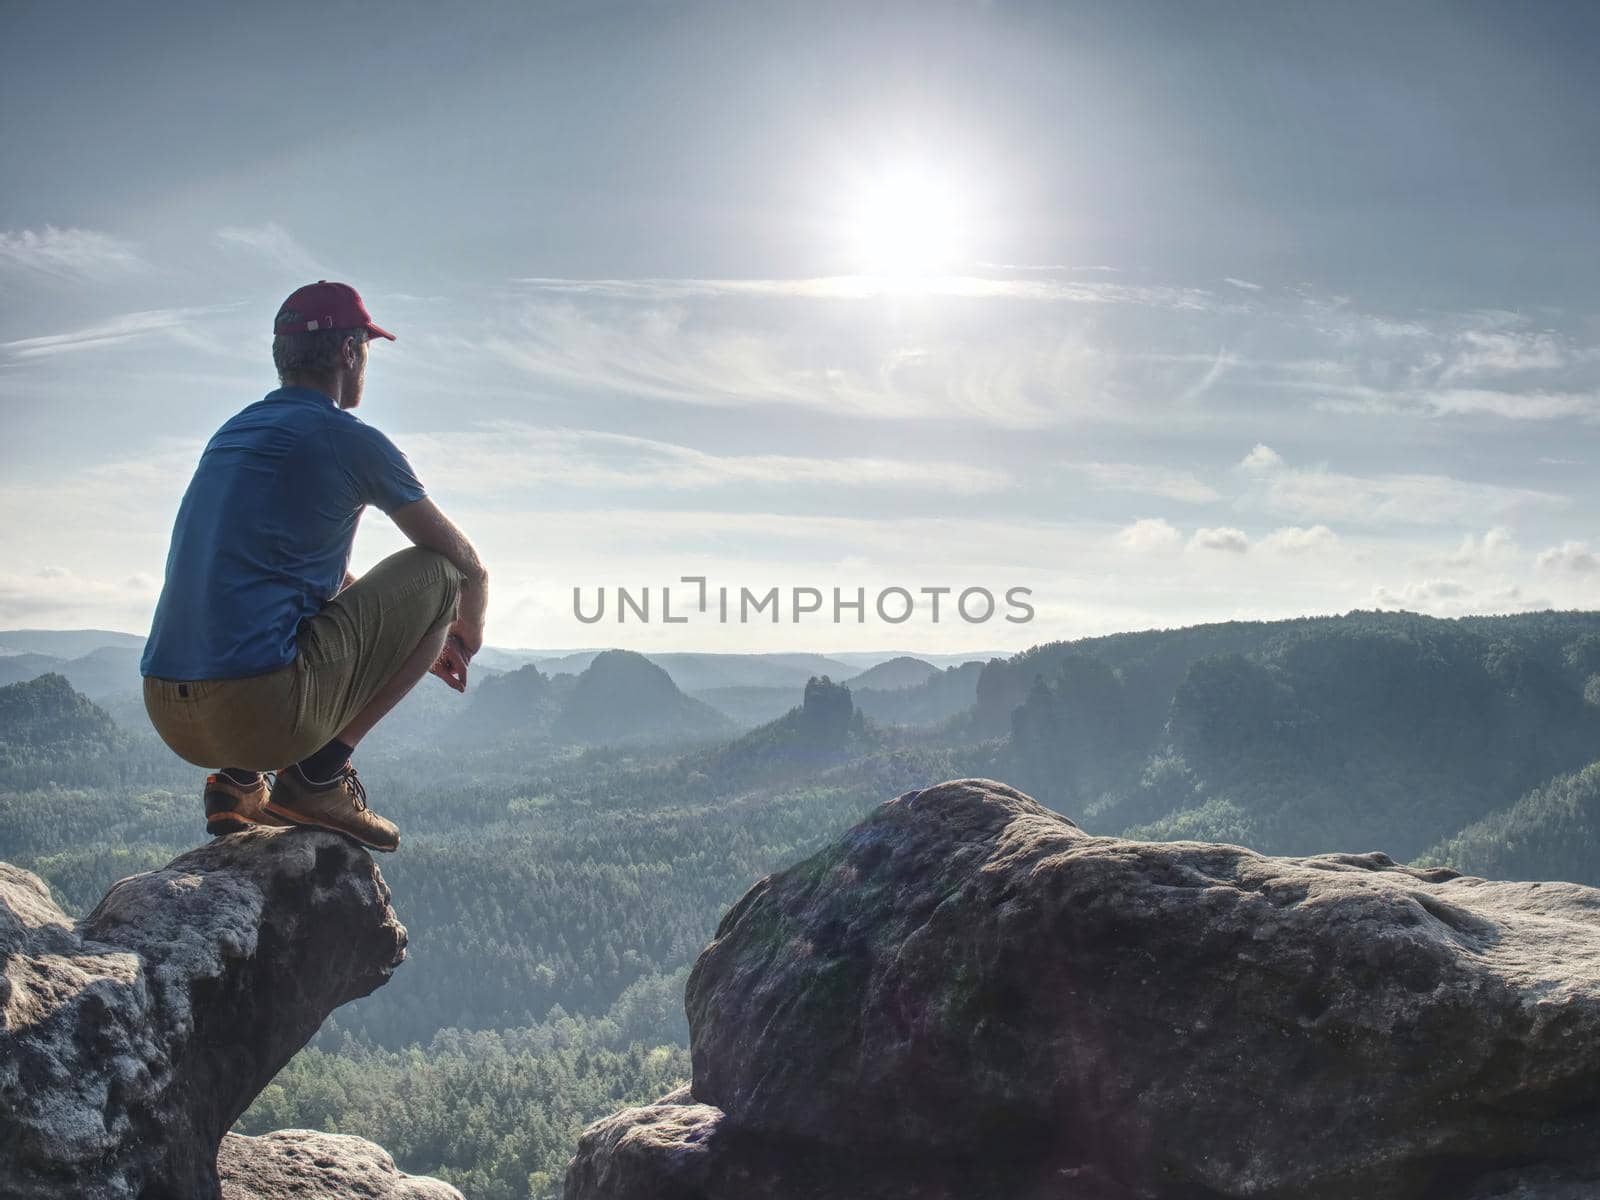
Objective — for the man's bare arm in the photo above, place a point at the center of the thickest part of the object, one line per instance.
(427, 526)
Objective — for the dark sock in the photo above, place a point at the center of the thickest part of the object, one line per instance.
(240, 776)
(322, 766)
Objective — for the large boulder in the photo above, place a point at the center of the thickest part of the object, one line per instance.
(131, 1041)
(968, 987)
(301, 1164)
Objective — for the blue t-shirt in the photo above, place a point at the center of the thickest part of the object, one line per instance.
(263, 535)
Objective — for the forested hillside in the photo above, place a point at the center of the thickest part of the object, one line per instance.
(558, 879)
(1372, 731)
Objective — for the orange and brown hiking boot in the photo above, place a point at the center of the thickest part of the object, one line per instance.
(340, 805)
(231, 807)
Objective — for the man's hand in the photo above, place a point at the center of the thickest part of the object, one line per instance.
(451, 665)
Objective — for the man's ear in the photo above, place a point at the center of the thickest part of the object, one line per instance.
(352, 354)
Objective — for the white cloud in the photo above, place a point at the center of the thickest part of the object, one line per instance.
(1026, 375)
(1226, 538)
(1335, 497)
(175, 323)
(1453, 598)
(1495, 545)
(1261, 458)
(867, 287)
(1046, 267)
(1241, 283)
(1170, 484)
(1293, 539)
(1572, 557)
(275, 244)
(1219, 365)
(1516, 406)
(512, 456)
(57, 596)
(1502, 352)
(69, 254)
(1149, 535)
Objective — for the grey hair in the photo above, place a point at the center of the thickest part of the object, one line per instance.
(314, 353)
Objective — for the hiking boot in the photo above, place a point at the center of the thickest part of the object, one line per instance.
(232, 807)
(340, 805)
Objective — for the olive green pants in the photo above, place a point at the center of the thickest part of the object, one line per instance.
(349, 649)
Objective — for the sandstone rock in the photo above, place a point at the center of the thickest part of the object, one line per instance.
(130, 1042)
(967, 979)
(300, 1164)
(676, 1149)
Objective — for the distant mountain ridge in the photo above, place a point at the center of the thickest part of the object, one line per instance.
(1355, 732)
(103, 664)
(65, 643)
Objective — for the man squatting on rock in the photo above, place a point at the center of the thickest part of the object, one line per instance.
(266, 654)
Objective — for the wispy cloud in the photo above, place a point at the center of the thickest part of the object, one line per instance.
(273, 243)
(175, 323)
(1245, 284)
(990, 373)
(869, 287)
(69, 254)
(1295, 539)
(1046, 268)
(1480, 352)
(1517, 406)
(1201, 386)
(1144, 480)
(1319, 494)
(512, 455)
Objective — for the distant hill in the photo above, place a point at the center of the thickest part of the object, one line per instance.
(19, 668)
(824, 729)
(747, 707)
(939, 697)
(694, 672)
(1551, 833)
(50, 732)
(1372, 730)
(520, 702)
(861, 659)
(935, 697)
(902, 672)
(106, 671)
(623, 696)
(102, 672)
(65, 643)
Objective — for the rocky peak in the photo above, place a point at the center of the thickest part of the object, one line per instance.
(131, 1041)
(966, 996)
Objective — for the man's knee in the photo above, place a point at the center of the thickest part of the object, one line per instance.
(445, 579)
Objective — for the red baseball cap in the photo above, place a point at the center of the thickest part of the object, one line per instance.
(324, 305)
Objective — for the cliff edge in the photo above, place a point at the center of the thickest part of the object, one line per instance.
(131, 1041)
(969, 998)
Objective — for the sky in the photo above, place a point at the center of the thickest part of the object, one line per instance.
(1166, 312)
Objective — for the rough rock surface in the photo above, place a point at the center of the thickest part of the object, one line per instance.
(968, 987)
(131, 1041)
(293, 1164)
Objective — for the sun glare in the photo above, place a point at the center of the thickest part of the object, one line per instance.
(907, 224)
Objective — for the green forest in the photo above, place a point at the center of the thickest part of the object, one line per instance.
(569, 842)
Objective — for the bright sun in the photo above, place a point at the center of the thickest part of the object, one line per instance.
(907, 224)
